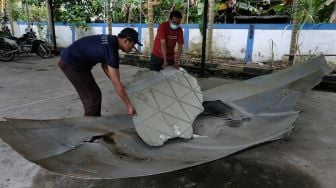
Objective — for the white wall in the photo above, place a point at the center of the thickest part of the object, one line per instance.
(63, 36)
(145, 39)
(227, 42)
(263, 41)
(316, 41)
(310, 42)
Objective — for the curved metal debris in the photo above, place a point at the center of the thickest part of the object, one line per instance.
(167, 105)
(236, 116)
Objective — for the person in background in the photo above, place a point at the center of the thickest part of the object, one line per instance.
(168, 35)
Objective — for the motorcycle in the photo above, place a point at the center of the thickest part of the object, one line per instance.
(28, 43)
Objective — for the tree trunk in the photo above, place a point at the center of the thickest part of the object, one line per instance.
(109, 17)
(187, 12)
(50, 30)
(129, 14)
(28, 16)
(294, 37)
(10, 14)
(3, 3)
(333, 16)
(150, 26)
(3, 12)
(210, 27)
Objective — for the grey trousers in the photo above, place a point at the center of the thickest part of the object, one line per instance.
(86, 87)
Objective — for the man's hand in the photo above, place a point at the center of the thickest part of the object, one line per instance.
(178, 56)
(114, 75)
(164, 53)
(131, 110)
(165, 64)
(177, 64)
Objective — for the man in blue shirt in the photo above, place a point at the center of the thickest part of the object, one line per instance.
(78, 59)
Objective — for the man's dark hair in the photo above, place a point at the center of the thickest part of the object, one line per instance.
(130, 34)
(176, 14)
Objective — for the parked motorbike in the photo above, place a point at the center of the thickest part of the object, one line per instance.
(28, 43)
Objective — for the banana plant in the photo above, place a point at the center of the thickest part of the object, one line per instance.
(310, 11)
(304, 11)
(248, 7)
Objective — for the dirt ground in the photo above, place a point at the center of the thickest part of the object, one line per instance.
(34, 88)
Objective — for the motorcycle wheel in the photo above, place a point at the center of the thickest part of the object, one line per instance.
(43, 50)
(5, 53)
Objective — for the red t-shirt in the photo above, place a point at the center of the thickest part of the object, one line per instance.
(172, 37)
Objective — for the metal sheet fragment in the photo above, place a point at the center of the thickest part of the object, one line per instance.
(236, 116)
(167, 104)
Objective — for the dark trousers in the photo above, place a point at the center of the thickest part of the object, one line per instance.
(157, 62)
(86, 87)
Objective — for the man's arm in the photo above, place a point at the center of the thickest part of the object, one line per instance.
(114, 76)
(164, 52)
(105, 68)
(178, 55)
(161, 35)
(180, 42)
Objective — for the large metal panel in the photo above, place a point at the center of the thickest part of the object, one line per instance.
(236, 116)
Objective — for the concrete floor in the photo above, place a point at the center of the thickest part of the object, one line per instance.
(35, 88)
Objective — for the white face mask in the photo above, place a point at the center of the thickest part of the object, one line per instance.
(173, 26)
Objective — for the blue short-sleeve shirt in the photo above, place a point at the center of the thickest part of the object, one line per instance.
(86, 52)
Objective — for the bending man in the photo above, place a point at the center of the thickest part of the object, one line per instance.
(78, 59)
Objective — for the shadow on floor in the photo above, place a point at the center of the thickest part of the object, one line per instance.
(227, 173)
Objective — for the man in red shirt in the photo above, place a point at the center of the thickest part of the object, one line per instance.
(168, 34)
